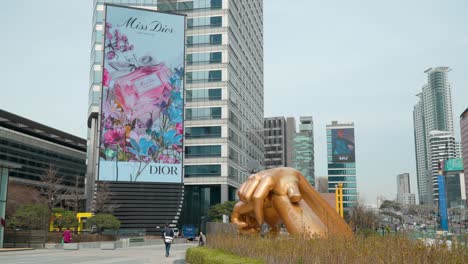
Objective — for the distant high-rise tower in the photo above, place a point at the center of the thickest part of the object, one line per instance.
(403, 183)
(290, 131)
(432, 112)
(442, 147)
(274, 131)
(464, 145)
(303, 149)
(342, 161)
(404, 195)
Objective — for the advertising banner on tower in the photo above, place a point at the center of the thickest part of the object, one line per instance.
(142, 96)
(343, 145)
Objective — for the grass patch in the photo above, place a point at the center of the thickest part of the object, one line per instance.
(361, 249)
(203, 255)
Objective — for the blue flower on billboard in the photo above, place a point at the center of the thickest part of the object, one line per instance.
(175, 115)
(141, 148)
(171, 138)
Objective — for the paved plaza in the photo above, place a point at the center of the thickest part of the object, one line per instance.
(133, 255)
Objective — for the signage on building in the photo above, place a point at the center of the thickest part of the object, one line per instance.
(142, 96)
(343, 149)
(453, 165)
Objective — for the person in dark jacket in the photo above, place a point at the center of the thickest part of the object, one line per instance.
(168, 236)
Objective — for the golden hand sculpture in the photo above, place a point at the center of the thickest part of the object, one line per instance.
(283, 195)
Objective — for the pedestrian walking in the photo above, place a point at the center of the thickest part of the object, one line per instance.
(201, 239)
(67, 238)
(168, 236)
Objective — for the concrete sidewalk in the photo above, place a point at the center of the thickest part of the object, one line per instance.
(133, 255)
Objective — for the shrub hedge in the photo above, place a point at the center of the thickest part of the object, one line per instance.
(203, 255)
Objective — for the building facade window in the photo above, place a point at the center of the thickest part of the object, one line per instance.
(213, 39)
(191, 5)
(203, 132)
(203, 170)
(204, 76)
(342, 172)
(201, 95)
(215, 21)
(203, 151)
(204, 58)
(203, 113)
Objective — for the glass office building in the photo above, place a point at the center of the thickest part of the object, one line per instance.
(224, 99)
(37, 147)
(432, 112)
(275, 142)
(303, 149)
(342, 161)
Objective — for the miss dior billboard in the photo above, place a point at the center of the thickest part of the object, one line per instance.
(142, 96)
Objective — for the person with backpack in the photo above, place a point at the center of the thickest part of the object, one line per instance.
(168, 236)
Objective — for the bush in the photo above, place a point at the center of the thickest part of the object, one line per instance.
(373, 249)
(30, 216)
(104, 221)
(202, 255)
(367, 232)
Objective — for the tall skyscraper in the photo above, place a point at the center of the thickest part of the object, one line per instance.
(403, 183)
(290, 131)
(442, 147)
(224, 99)
(342, 161)
(464, 145)
(275, 142)
(432, 112)
(303, 149)
(404, 195)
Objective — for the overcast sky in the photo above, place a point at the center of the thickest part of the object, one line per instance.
(360, 61)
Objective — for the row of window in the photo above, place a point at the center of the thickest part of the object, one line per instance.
(215, 21)
(341, 178)
(189, 5)
(213, 39)
(341, 165)
(203, 151)
(204, 58)
(202, 170)
(203, 113)
(204, 76)
(342, 172)
(199, 95)
(203, 132)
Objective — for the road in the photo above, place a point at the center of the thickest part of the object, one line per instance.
(133, 255)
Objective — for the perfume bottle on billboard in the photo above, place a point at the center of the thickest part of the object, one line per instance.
(147, 85)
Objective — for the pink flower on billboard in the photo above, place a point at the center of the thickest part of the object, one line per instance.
(179, 128)
(114, 136)
(106, 78)
(168, 159)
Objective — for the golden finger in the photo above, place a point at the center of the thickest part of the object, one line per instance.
(249, 188)
(258, 199)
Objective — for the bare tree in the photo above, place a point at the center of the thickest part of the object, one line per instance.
(361, 218)
(75, 196)
(52, 188)
(102, 199)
